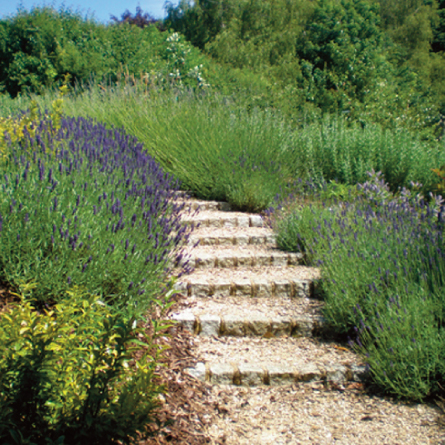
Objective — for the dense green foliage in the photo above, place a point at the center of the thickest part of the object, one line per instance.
(68, 375)
(372, 60)
(382, 264)
(40, 47)
(340, 53)
(221, 151)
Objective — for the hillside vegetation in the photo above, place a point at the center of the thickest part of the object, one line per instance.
(330, 114)
(372, 60)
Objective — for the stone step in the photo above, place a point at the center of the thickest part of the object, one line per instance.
(241, 317)
(239, 236)
(255, 362)
(291, 281)
(202, 206)
(240, 256)
(217, 219)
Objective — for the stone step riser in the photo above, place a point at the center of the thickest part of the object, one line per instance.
(248, 288)
(225, 221)
(210, 206)
(265, 374)
(231, 261)
(231, 326)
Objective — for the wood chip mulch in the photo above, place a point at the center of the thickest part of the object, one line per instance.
(183, 415)
(186, 411)
(7, 297)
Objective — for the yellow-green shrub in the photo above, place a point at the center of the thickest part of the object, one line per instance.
(12, 128)
(68, 374)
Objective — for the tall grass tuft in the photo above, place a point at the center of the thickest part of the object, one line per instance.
(219, 150)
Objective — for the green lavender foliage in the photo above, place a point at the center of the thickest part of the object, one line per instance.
(335, 150)
(382, 265)
(403, 343)
(219, 150)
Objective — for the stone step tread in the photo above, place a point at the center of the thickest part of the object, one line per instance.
(228, 236)
(240, 256)
(275, 361)
(218, 219)
(200, 205)
(255, 273)
(238, 250)
(291, 281)
(237, 316)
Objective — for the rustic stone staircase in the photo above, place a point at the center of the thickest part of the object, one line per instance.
(253, 308)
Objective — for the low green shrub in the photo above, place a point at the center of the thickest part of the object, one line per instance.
(404, 343)
(68, 374)
(15, 128)
(295, 231)
(382, 262)
(336, 150)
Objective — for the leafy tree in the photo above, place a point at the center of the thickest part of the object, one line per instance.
(40, 46)
(262, 34)
(417, 28)
(341, 53)
(410, 24)
(198, 21)
(438, 44)
(140, 19)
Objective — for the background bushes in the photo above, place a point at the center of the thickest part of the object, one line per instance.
(376, 61)
(39, 47)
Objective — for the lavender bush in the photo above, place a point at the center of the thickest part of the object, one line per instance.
(87, 206)
(382, 259)
(218, 150)
(403, 342)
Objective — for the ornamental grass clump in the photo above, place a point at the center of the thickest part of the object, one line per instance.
(382, 262)
(217, 150)
(87, 206)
